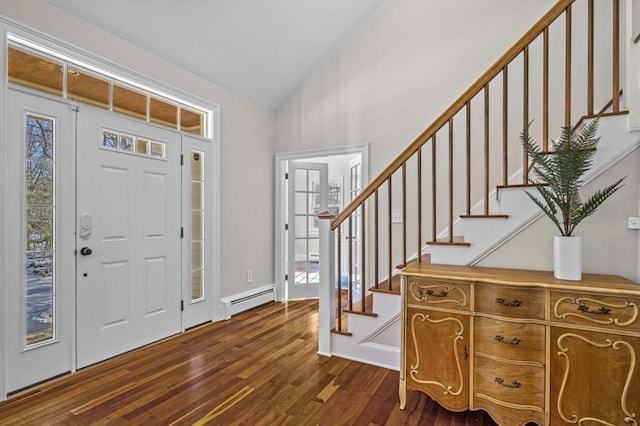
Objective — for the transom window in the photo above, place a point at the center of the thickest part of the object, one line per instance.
(59, 77)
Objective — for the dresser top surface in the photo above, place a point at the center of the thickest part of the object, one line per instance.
(521, 277)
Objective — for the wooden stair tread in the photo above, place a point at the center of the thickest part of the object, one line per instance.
(457, 241)
(484, 216)
(520, 185)
(344, 333)
(368, 314)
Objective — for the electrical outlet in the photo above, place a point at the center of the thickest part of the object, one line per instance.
(249, 276)
(634, 222)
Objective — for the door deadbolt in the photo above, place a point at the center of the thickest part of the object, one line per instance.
(85, 251)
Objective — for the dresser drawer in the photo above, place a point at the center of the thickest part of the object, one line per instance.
(611, 312)
(522, 385)
(512, 341)
(438, 293)
(509, 302)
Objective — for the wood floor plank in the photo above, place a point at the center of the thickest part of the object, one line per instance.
(259, 368)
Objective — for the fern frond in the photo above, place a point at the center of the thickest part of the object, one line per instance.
(548, 208)
(563, 171)
(591, 205)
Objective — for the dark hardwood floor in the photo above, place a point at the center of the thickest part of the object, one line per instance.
(259, 368)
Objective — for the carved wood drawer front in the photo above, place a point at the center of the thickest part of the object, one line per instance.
(438, 293)
(512, 341)
(509, 383)
(612, 312)
(509, 301)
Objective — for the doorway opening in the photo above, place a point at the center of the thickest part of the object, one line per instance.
(308, 183)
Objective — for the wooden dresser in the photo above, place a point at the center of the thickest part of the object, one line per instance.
(522, 345)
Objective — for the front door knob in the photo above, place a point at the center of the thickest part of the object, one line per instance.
(85, 251)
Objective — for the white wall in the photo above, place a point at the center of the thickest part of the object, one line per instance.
(246, 136)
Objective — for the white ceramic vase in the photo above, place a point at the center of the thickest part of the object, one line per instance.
(567, 258)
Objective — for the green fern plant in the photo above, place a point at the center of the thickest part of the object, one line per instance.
(559, 176)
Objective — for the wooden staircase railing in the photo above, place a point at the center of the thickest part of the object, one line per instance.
(551, 77)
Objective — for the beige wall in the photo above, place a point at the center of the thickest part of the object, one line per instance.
(400, 69)
(246, 140)
(608, 246)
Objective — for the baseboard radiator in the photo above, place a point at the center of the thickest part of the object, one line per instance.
(246, 300)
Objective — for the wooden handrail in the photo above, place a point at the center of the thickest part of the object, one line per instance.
(485, 157)
(457, 105)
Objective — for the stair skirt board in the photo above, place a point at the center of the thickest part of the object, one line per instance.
(365, 350)
(246, 300)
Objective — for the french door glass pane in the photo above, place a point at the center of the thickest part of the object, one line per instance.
(39, 283)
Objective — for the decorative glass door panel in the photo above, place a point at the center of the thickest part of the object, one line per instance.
(307, 198)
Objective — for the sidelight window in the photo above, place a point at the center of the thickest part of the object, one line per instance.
(197, 225)
(40, 244)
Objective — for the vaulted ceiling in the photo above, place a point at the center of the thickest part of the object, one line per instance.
(261, 49)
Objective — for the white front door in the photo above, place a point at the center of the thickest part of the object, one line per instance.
(128, 234)
(38, 246)
(307, 196)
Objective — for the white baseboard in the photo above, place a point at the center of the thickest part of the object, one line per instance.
(240, 302)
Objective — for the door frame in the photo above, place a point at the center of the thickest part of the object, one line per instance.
(46, 43)
(280, 240)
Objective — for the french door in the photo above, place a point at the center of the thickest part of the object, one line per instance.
(128, 235)
(307, 196)
(39, 244)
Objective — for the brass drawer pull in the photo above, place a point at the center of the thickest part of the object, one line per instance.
(431, 293)
(515, 303)
(585, 309)
(514, 385)
(501, 339)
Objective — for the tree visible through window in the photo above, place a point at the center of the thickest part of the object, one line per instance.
(39, 229)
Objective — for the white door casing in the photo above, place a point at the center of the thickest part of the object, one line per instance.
(281, 198)
(24, 365)
(129, 285)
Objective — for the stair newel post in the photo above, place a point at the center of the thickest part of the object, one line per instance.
(327, 285)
